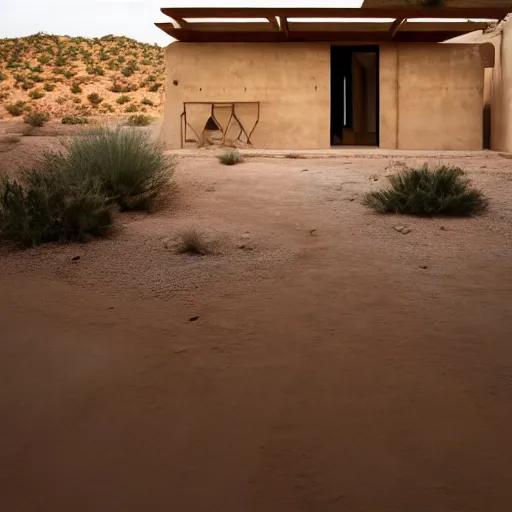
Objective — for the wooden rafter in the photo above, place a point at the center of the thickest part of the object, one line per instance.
(283, 21)
(395, 27)
(273, 21)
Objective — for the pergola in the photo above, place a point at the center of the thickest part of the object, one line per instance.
(384, 23)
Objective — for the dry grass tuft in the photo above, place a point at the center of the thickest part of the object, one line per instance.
(192, 242)
(230, 157)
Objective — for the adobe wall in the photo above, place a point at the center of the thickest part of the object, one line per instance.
(430, 94)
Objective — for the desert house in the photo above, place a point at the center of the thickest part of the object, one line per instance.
(308, 78)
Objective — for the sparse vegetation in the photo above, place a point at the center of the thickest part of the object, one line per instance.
(294, 156)
(36, 94)
(47, 204)
(147, 101)
(74, 120)
(139, 120)
(49, 87)
(425, 191)
(131, 108)
(94, 98)
(230, 157)
(123, 99)
(75, 88)
(36, 118)
(132, 170)
(192, 242)
(16, 109)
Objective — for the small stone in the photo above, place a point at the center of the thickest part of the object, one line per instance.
(193, 318)
(398, 228)
(245, 236)
(406, 231)
(304, 170)
(111, 307)
(351, 198)
(442, 228)
(75, 258)
(424, 267)
(241, 246)
(312, 232)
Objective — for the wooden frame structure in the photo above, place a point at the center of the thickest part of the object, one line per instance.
(191, 24)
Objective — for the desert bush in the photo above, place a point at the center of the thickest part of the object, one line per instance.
(116, 87)
(132, 170)
(60, 100)
(139, 120)
(16, 109)
(230, 157)
(192, 242)
(147, 101)
(60, 61)
(77, 100)
(95, 70)
(26, 85)
(49, 87)
(35, 78)
(46, 204)
(423, 191)
(154, 87)
(44, 59)
(127, 71)
(36, 69)
(36, 118)
(294, 156)
(107, 107)
(94, 98)
(75, 88)
(131, 108)
(74, 120)
(36, 94)
(68, 73)
(123, 99)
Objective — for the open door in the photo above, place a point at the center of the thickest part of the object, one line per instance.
(354, 96)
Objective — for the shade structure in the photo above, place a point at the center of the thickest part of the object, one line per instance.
(375, 24)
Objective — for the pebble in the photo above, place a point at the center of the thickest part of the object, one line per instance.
(406, 231)
(424, 267)
(75, 258)
(398, 228)
(193, 318)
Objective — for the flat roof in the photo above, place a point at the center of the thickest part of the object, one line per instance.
(367, 24)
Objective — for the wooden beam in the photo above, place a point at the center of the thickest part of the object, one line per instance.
(273, 21)
(368, 37)
(395, 27)
(332, 12)
(180, 21)
(284, 25)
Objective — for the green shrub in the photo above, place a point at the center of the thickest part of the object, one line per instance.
(147, 101)
(230, 157)
(68, 74)
(139, 120)
(60, 61)
(36, 69)
(75, 88)
(422, 191)
(2, 77)
(155, 87)
(95, 70)
(16, 109)
(94, 98)
(60, 100)
(77, 100)
(27, 85)
(44, 59)
(123, 99)
(127, 71)
(36, 119)
(74, 120)
(132, 170)
(49, 87)
(36, 94)
(116, 87)
(47, 204)
(131, 108)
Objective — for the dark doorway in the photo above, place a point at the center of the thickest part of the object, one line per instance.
(355, 96)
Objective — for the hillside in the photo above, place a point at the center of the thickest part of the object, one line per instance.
(65, 75)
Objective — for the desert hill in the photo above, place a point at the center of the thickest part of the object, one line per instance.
(79, 76)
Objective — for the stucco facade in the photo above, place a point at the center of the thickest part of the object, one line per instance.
(430, 95)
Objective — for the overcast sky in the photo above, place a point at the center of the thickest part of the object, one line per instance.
(132, 18)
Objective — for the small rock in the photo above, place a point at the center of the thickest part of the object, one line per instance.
(351, 198)
(111, 307)
(406, 231)
(241, 246)
(424, 267)
(304, 170)
(246, 236)
(398, 228)
(442, 228)
(312, 232)
(193, 318)
(75, 258)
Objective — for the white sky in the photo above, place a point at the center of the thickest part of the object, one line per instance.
(132, 18)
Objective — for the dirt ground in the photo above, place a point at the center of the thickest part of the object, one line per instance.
(327, 370)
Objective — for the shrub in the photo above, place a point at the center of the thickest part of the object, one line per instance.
(16, 109)
(77, 100)
(95, 70)
(49, 87)
(132, 170)
(230, 157)
(131, 108)
(422, 191)
(116, 87)
(36, 69)
(2, 77)
(36, 94)
(60, 100)
(44, 59)
(147, 101)
(155, 87)
(94, 98)
(60, 61)
(123, 99)
(192, 242)
(139, 120)
(75, 88)
(27, 85)
(74, 120)
(68, 74)
(37, 119)
(47, 204)
(127, 71)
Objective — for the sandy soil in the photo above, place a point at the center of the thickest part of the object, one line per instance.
(326, 372)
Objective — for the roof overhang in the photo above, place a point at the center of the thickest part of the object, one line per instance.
(379, 24)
